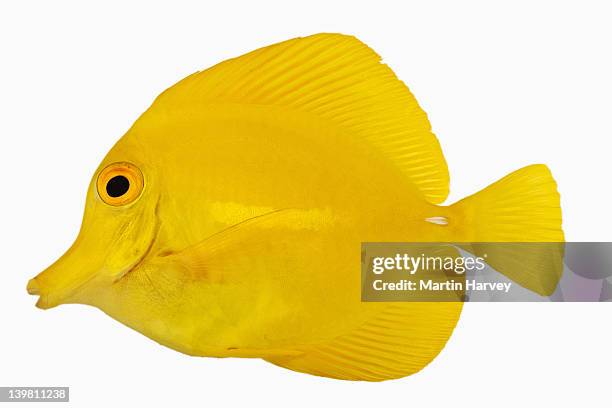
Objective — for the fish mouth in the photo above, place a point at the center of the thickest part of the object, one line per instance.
(67, 277)
(33, 288)
(48, 299)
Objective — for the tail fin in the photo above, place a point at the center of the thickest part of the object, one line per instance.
(521, 207)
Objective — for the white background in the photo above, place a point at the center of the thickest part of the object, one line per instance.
(504, 86)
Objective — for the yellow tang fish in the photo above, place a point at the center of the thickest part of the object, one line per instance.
(227, 221)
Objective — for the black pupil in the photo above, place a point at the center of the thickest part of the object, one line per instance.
(117, 186)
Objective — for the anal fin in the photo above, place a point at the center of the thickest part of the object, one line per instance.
(401, 340)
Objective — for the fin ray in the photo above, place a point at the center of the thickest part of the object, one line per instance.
(401, 340)
(337, 78)
(523, 208)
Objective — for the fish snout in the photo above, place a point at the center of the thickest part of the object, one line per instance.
(61, 281)
(33, 288)
(46, 299)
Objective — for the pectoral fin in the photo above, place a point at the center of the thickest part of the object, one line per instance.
(265, 243)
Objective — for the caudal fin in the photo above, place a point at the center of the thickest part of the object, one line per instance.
(522, 207)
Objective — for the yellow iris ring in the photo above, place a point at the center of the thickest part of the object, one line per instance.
(127, 170)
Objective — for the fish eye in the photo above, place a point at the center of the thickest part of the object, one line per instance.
(120, 183)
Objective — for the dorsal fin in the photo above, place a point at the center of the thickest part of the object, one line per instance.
(335, 77)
